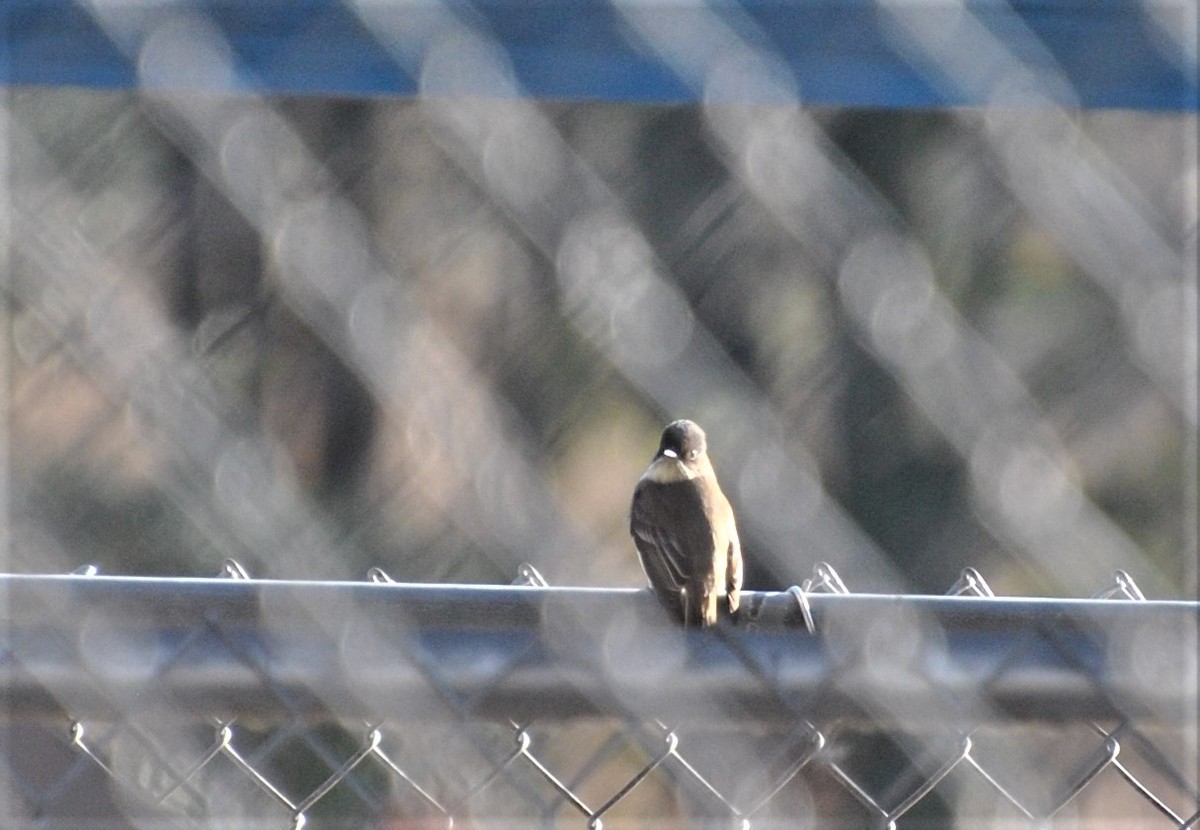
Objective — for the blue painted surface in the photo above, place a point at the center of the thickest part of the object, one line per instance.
(836, 52)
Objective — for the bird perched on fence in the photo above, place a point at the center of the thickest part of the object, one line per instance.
(684, 529)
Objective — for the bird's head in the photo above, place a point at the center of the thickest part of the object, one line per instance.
(684, 441)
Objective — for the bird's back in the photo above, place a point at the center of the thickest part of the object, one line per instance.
(673, 532)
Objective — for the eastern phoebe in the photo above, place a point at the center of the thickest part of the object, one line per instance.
(684, 529)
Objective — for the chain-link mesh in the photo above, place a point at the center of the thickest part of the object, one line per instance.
(434, 340)
(255, 704)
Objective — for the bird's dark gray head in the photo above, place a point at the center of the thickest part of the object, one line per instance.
(683, 440)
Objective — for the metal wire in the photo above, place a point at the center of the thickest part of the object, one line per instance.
(981, 650)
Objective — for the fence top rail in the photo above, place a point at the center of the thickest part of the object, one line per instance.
(224, 647)
(509, 605)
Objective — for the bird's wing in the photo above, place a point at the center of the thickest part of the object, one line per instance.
(669, 527)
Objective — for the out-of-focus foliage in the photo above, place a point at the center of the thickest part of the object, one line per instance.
(441, 337)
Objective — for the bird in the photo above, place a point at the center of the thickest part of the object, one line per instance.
(684, 529)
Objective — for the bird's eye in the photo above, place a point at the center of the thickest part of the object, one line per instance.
(693, 453)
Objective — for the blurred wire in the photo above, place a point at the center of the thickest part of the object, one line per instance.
(614, 292)
(916, 340)
(1019, 468)
(617, 290)
(333, 280)
(230, 484)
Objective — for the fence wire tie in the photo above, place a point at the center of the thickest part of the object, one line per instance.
(801, 598)
(379, 577)
(1122, 587)
(971, 582)
(530, 576)
(824, 578)
(233, 569)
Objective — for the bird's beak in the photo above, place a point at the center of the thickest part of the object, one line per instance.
(670, 453)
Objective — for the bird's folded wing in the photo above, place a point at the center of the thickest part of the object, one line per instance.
(669, 527)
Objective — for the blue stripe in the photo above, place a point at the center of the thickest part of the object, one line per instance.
(833, 52)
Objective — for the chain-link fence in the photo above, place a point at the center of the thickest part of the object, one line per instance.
(328, 287)
(221, 703)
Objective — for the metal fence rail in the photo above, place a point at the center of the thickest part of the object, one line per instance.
(210, 702)
(197, 647)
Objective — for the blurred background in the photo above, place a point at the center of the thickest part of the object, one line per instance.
(441, 336)
(437, 330)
